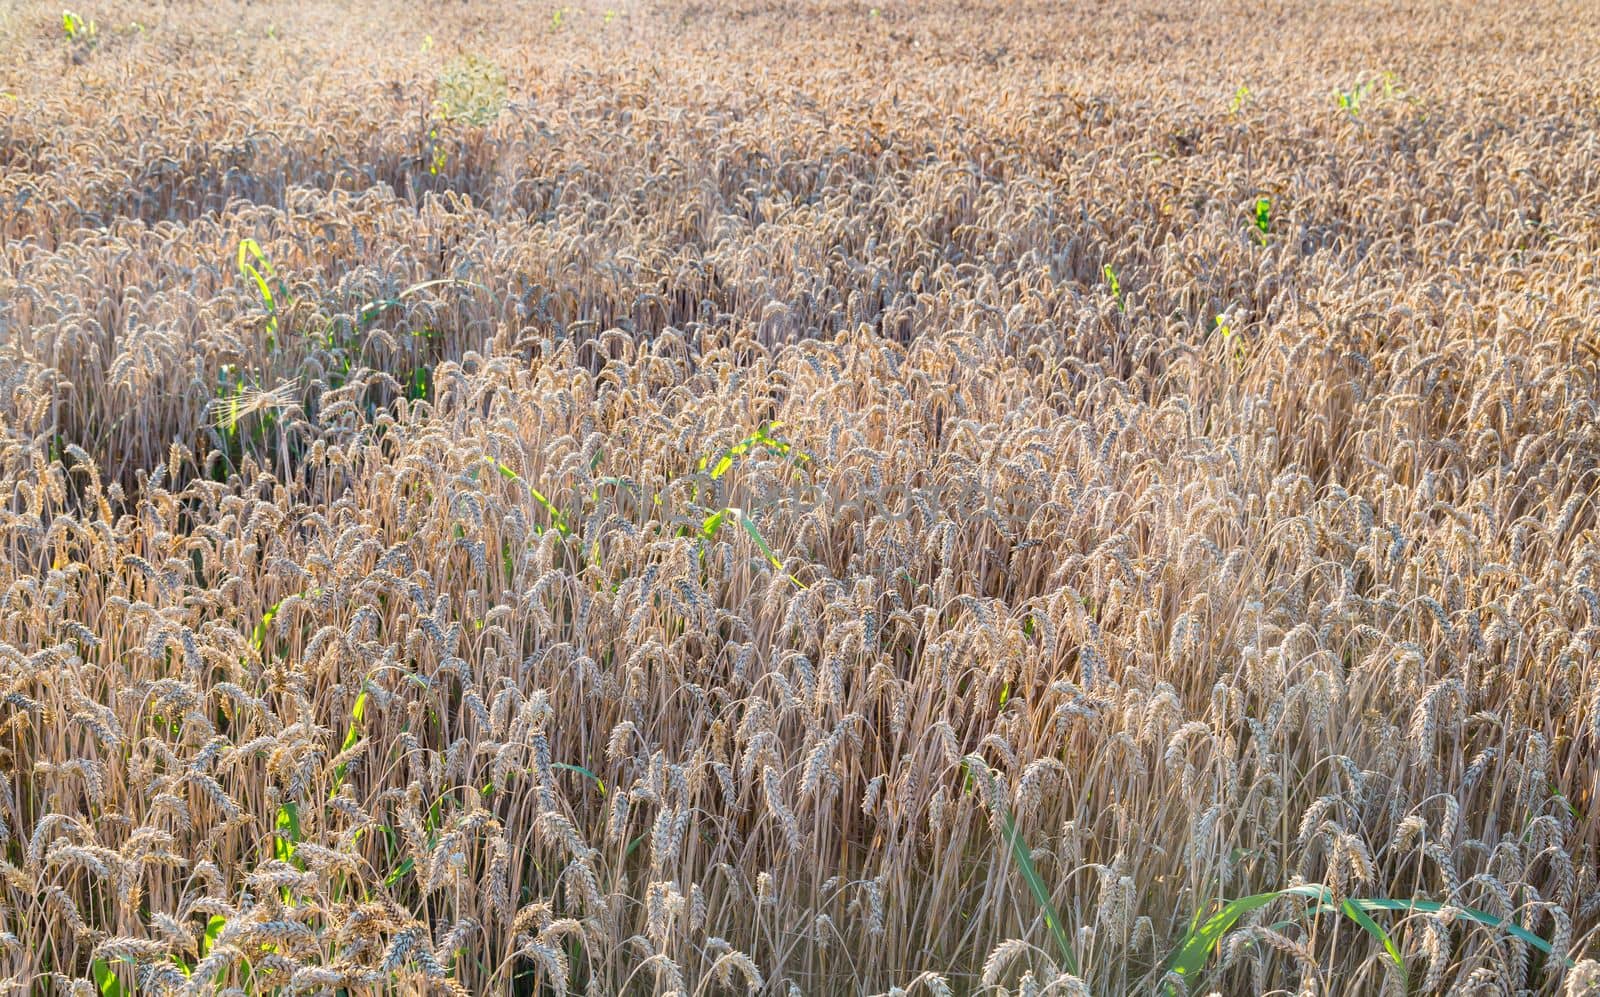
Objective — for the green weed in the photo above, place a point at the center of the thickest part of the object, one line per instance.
(1020, 854)
(1116, 286)
(250, 250)
(82, 36)
(1350, 100)
(1189, 957)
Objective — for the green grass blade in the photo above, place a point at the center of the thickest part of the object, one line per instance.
(1190, 956)
(1350, 909)
(713, 523)
(248, 249)
(761, 437)
(1373, 928)
(351, 738)
(978, 768)
(399, 870)
(105, 980)
(213, 930)
(1482, 917)
(766, 548)
(357, 711)
(568, 766)
(761, 542)
(258, 636)
(288, 832)
(261, 285)
(556, 516)
(1116, 285)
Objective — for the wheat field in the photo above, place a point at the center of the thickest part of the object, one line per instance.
(810, 498)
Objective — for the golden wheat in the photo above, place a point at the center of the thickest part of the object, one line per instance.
(539, 501)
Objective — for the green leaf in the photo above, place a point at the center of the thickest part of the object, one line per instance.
(581, 771)
(358, 712)
(288, 832)
(713, 523)
(766, 548)
(417, 387)
(978, 768)
(105, 979)
(213, 930)
(258, 636)
(633, 845)
(249, 248)
(556, 516)
(370, 310)
(1116, 286)
(351, 738)
(399, 870)
(1482, 917)
(762, 437)
(761, 541)
(261, 285)
(1375, 929)
(1190, 957)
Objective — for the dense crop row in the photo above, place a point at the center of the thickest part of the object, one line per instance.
(809, 498)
